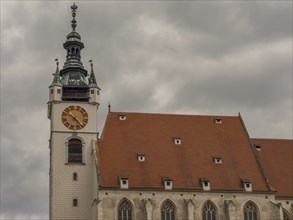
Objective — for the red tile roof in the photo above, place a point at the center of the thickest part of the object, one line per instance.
(185, 164)
(276, 157)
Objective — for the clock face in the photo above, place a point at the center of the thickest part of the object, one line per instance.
(74, 117)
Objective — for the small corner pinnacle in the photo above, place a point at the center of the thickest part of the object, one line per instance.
(109, 107)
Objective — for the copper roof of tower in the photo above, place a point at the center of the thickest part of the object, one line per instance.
(73, 72)
(202, 139)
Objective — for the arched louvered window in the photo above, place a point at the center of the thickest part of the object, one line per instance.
(168, 211)
(286, 215)
(74, 151)
(250, 211)
(209, 211)
(125, 210)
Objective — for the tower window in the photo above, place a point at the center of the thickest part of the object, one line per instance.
(92, 91)
(177, 140)
(75, 176)
(51, 91)
(74, 151)
(75, 202)
(98, 92)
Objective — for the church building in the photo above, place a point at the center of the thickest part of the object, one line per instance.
(148, 166)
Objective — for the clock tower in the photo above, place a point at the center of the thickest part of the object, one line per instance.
(74, 98)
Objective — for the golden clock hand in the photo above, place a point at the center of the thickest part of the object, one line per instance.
(71, 114)
(78, 120)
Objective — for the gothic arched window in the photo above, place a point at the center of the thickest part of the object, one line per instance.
(168, 211)
(209, 211)
(125, 210)
(74, 151)
(286, 215)
(250, 211)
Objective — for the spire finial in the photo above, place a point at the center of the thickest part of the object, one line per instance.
(57, 62)
(91, 62)
(109, 107)
(73, 22)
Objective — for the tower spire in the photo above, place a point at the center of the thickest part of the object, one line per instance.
(92, 78)
(73, 73)
(56, 80)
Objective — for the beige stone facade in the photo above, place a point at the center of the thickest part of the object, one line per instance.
(189, 204)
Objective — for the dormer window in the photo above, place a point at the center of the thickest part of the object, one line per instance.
(217, 160)
(218, 120)
(140, 157)
(177, 140)
(123, 182)
(167, 183)
(122, 117)
(205, 184)
(257, 147)
(247, 185)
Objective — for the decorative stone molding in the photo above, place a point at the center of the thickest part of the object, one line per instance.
(230, 209)
(190, 209)
(149, 208)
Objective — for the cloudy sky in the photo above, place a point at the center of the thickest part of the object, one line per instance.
(187, 57)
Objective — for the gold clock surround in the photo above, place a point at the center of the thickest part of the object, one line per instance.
(74, 117)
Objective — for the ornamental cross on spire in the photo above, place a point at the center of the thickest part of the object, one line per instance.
(73, 22)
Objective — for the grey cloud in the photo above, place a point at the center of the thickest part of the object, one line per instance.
(189, 57)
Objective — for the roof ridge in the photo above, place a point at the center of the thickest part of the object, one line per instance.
(273, 139)
(172, 114)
